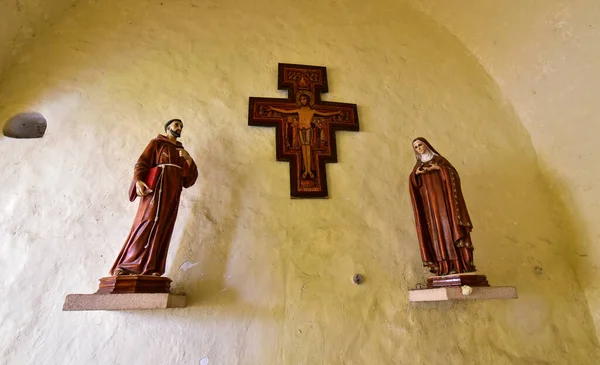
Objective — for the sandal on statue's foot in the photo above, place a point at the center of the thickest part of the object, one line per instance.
(119, 271)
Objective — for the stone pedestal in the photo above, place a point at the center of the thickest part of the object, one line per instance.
(86, 302)
(125, 292)
(134, 284)
(457, 280)
(456, 293)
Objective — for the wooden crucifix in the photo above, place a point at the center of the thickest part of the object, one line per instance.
(304, 126)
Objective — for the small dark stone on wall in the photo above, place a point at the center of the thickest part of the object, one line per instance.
(25, 125)
(358, 279)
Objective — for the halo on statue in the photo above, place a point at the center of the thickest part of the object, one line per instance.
(310, 96)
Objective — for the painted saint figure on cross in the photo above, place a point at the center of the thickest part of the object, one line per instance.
(305, 126)
(304, 131)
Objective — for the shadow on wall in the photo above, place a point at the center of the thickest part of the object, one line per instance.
(209, 233)
(574, 240)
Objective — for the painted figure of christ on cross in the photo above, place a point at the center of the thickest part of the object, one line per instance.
(305, 126)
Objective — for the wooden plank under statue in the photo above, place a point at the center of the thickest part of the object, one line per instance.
(444, 231)
(160, 174)
(305, 126)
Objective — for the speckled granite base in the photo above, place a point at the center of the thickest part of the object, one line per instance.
(455, 293)
(85, 302)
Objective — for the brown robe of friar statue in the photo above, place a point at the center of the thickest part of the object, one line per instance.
(145, 250)
(441, 216)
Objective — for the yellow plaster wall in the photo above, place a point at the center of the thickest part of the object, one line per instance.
(545, 58)
(21, 20)
(272, 284)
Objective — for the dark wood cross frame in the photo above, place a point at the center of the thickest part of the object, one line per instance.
(304, 126)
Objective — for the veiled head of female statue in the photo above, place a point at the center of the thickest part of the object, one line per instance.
(420, 146)
(424, 151)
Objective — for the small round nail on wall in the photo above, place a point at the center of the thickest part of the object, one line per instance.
(25, 125)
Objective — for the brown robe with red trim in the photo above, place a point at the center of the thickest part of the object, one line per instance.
(442, 220)
(145, 250)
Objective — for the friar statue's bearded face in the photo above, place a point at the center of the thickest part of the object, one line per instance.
(175, 129)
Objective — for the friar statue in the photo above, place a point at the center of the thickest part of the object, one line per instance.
(160, 174)
(442, 220)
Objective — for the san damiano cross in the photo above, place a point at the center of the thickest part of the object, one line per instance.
(304, 126)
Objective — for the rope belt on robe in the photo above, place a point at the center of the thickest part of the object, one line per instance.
(158, 183)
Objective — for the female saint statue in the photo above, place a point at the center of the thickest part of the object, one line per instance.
(441, 216)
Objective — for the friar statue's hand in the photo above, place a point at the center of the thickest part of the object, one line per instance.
(183, 153)
(142, 189)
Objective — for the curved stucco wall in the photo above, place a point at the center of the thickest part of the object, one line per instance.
(20, 21)
(545, 59)
(272, 284)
